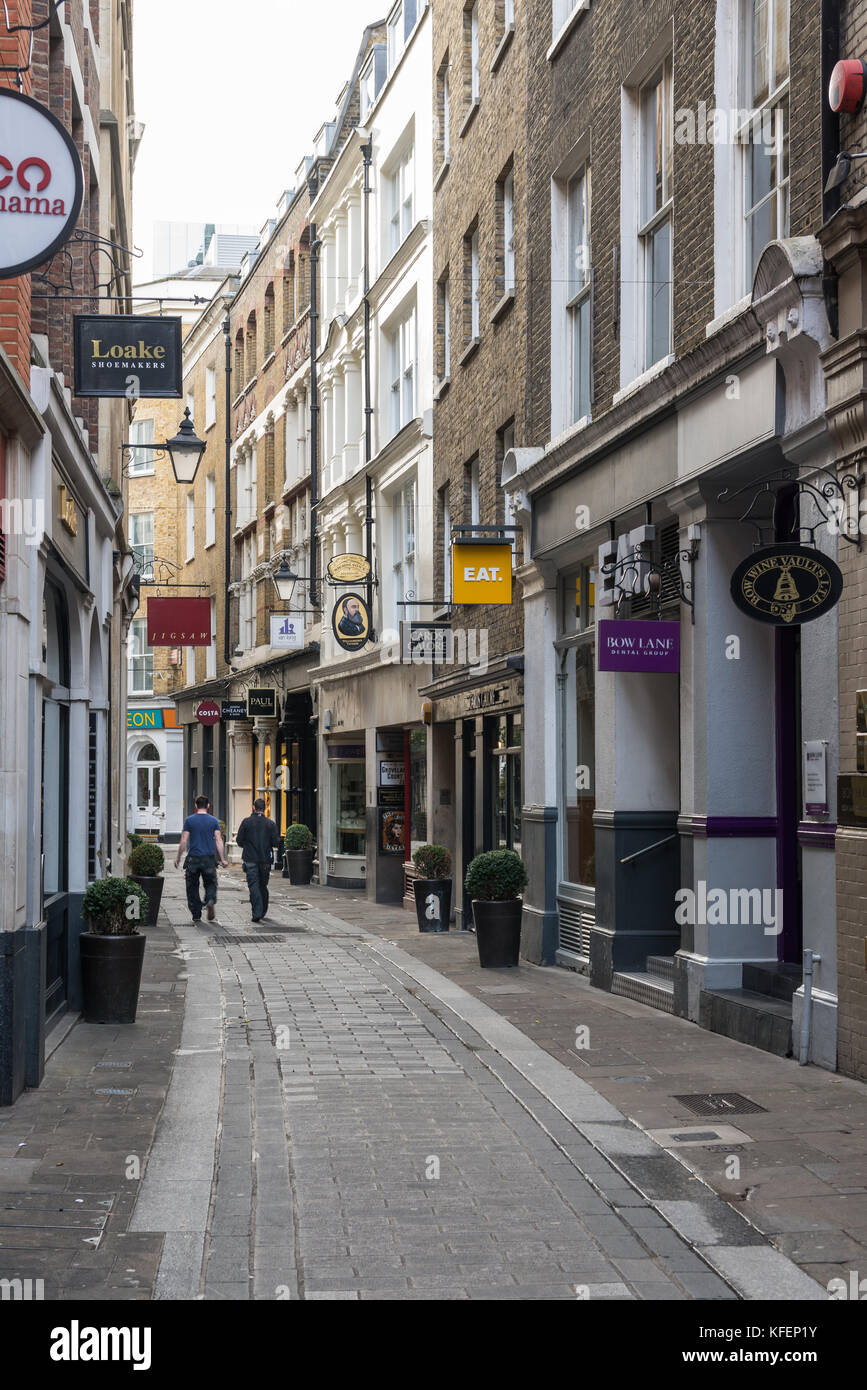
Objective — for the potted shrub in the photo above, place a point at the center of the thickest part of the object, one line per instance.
(494, 882)
(432, 887)
(112, 951)
(298, 844)
(145, 864)
(134, 839)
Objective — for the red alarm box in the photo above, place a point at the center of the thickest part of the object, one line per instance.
(847, 86)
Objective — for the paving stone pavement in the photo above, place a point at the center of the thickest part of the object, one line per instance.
(321, 1116)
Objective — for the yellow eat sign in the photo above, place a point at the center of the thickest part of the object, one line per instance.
(481, 573)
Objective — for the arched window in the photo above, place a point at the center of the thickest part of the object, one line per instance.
(148, 754)
(55, 635)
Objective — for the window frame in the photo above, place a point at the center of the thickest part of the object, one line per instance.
(579, 301)
(145, 570)
(145, 465)
(651, 221)
(139, 651)
(404, 557)
(776, 99)
(191, 526)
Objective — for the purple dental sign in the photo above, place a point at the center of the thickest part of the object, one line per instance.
(639, 646)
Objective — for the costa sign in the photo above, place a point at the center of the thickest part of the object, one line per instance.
(41, 184)
(208, 712)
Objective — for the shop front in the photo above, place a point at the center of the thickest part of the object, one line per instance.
(155, 775)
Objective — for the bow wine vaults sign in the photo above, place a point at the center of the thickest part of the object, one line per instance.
(179, 622)
(41, 184)
(119, 355)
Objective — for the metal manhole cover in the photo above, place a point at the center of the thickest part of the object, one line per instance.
(721, 1103)
(253, 940)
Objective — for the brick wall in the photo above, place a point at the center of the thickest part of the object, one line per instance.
(15, 294)
(487, 390)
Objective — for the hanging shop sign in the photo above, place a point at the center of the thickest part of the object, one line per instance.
(631, 645)
(348, 569)
(208, 712)
(262, 704)
(786, 585)
(350, 622)
(287, 634)
(481, 572)
(70, 533)
(119, 355)
(234, 709)
(392, 832)
(179, 622)
(41, 184)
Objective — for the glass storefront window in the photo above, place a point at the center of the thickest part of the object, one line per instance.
(504, 742)
(347, 808)
(579, 723)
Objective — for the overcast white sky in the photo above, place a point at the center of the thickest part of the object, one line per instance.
(231, 93)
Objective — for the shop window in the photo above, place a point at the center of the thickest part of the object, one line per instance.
(504, 735)
(347, 808)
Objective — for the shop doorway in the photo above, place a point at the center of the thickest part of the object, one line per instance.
(149, 778)
(55, 800)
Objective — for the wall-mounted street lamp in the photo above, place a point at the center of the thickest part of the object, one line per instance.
(285, 581)
(185, 451)
(842, 169)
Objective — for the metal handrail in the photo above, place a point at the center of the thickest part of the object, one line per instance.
(648, 848)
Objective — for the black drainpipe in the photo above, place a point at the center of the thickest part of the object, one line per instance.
(830, 142)
(367, 156)
(314, 408)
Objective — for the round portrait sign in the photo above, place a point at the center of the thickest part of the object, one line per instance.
(350, 622)
(41, 184)
(786, 584)
(208, 712)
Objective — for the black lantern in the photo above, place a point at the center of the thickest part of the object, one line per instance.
(284, 581)
(185, 451)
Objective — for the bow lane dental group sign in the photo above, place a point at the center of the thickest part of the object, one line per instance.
(650, 647)
(41, 184)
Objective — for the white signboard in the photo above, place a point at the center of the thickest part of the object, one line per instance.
(41, 184)
(287, 633)
(391, 774)
(815, 777)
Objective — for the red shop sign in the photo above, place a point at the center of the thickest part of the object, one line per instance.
(208, 712)
(179, 622)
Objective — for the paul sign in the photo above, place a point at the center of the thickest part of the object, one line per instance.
(41, 184)
(786, 585)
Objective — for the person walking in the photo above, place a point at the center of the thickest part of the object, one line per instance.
(258, 837)
(201, 836)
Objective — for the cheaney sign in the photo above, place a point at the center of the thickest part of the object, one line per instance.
(786, 585)
(179, 622)
(120, 355)
(41, 184)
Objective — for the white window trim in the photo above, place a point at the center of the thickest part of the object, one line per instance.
(210, 397)
(509, 232)
(475, 286)
(191, 526)
(139, 626)
(579, 8)
(147, 459)
(475, 63)
(210, 510)
(561, 352)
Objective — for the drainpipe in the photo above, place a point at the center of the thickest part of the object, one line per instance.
(367, 156)
(810, 959)
(314, 407)
(830, 136)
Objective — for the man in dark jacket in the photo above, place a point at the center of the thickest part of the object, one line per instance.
(258, 837)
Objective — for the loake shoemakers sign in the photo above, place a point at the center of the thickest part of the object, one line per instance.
(41, 184)
(118, 355)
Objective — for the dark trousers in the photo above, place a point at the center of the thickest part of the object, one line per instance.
(206, 866)
(257, 876)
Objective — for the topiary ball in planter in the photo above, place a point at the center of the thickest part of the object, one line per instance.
(112, 952)
(494, 881)
(298, 857)
(432, 888)
(146, 862)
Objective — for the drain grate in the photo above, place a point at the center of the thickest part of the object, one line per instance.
(274, 938)
(721, 1103)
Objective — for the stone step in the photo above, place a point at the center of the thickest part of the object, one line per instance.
(748, 1017)
(662, 966)
(645, 988)
(770, 978)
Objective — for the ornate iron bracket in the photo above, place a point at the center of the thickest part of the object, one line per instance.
(639, 577)
(831, 499)
(99, 246)
(30, 29)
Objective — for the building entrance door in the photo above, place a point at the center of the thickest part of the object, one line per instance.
(149, 776)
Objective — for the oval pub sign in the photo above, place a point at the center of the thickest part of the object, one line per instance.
(786, 584)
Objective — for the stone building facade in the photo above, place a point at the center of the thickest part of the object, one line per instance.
(677, 319)
(482, 298)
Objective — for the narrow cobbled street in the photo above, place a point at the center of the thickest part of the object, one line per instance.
(306, 1111)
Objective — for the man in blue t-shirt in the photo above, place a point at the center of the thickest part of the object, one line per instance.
(201, 836)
